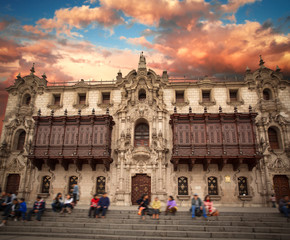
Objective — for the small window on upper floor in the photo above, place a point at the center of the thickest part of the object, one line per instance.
(106, 97)
(206, 95)
(267, 94)
(26, 99)
(56, 99)
(233, 95)
(20, 135)
(179, 96)
(273, 136)
(142, 95)
(82, 98)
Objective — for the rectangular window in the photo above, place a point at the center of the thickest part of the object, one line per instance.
(179, 95)
(56, 99)
(82, 98)
(206, 95)
(106, 98)
(234, 95)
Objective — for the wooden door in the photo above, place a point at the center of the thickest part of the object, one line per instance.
(281, 186)
(141, 184)
(13, 183)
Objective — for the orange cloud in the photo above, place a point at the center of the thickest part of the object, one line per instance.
(218, 48)
(79, 17)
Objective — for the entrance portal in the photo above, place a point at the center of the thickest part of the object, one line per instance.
(13, 183)
(281, 186)
(141, 184)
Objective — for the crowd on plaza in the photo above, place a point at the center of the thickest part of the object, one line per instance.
(16, 209)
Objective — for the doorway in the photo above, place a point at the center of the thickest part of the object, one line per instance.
(281, 186)
(12, 185)
(141, 184)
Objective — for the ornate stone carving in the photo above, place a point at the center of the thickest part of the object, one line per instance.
(15, 165)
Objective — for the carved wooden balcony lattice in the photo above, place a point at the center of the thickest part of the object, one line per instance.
(214, 138)
(72, 140)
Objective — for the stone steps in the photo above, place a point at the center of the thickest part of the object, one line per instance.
(127, 225)
(154, 227)
(99, 236)
(86, 222)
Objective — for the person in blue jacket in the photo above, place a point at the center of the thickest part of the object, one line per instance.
(22, 209)
(103, 205)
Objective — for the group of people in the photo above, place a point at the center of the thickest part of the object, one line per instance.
(198, 207)
(97, 205)
(16, 209)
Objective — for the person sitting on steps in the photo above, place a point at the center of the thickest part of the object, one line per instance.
(57, 203)
(197, 205)
(103, 205)
(284, 206)
(12, 212)
(209, 208)
(156, 205)
(38, 209)
(171, 206)
(143, 203)
(21, 212)
(94, 204)
(68, 204)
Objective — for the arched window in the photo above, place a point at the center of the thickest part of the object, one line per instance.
(212, 186)
(267, 94)
(20, 140)
(243, 186)
(142, 95)
(26, 99)
(273, 138)
(182, 186)
(45, 184)
(142, 135)
(72, 180)
(101, 185)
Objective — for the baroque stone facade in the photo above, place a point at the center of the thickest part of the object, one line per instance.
(142, 140)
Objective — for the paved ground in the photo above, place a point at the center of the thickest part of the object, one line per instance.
(30, 238)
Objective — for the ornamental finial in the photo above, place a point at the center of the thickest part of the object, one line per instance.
(32, 70)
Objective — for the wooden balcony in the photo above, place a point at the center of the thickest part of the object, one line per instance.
(214, 138)
(74, 140)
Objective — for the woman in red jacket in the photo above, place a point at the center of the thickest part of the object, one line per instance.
(94, 204)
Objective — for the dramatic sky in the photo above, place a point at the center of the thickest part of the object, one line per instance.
(93, 39)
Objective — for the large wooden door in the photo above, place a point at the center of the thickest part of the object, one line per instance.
(141, 184)
(13, 183)
(281, 186)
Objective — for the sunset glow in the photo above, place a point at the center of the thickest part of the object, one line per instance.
(93, 40)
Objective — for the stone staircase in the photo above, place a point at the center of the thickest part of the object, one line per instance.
(127, 225)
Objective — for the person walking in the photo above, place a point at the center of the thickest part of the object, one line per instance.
(75, 194)
(273, 200)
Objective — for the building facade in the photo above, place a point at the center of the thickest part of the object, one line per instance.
(145, 133)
